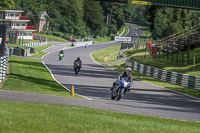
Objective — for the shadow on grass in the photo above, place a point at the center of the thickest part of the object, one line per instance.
(50, 85)
(30, 63)
(37, 65)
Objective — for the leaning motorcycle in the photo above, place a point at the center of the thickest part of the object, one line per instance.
(61, 56)
(119, 89)
(77, 67)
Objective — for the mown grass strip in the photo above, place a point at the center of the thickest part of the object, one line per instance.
(33, 117)
(31, 76)
(110, 52)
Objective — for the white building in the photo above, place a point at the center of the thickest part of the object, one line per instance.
(17, 24)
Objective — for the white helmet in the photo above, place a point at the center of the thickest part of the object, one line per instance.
(128, 70)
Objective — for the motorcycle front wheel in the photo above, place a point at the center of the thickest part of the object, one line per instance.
(113, 94)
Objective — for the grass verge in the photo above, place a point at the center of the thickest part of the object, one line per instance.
(109, 54)
(99, 56)
(101, 40)
(31, 76)
(34, 117)
(38, 51)
(53, 38)
(125, 32)
(169, 65)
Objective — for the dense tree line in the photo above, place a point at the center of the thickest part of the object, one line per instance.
(84, 17)
(162, 21)
(7, 4)
(76, 17)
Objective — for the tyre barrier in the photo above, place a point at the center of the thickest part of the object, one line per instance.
(4, 65)
(166, 76)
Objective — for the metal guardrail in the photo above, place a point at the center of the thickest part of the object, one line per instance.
(167, 76)
(35, 44)
(4, 65)
(43, 41)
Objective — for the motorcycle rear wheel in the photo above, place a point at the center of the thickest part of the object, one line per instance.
(119, 94)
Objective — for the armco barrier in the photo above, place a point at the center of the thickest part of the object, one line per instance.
(167, 76)
(35, 44)
(4, 65)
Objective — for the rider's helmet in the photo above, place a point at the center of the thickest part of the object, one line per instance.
(61, 51)
(128, 70)
(78, 58)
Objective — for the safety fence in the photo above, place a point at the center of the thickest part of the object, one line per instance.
(167, 76)
(35, 44)
(4, 65)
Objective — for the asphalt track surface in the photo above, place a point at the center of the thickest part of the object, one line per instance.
(94, 82)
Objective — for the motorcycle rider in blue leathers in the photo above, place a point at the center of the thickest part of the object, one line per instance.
(126, 75)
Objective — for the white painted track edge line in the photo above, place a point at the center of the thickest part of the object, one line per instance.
(61, 84)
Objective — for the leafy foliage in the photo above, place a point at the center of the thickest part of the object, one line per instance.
(7, 4)
(84, 17)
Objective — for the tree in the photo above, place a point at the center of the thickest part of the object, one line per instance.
(114, 16)
(136, 13)
(93, 16)
(7, 4)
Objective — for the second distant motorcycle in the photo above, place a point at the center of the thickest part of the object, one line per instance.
(77, 65)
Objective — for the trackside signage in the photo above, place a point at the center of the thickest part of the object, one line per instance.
(140, 2)
(124, 39)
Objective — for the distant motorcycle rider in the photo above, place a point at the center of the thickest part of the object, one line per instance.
(126, 75)
(61, 52)
(78, 60)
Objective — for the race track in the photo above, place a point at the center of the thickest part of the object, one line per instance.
(94, 82)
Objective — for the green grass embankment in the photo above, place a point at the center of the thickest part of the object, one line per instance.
(53, 38)
(33, 117)
(101, 40)
(180, 67)
(110, 55)
(29, 75)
